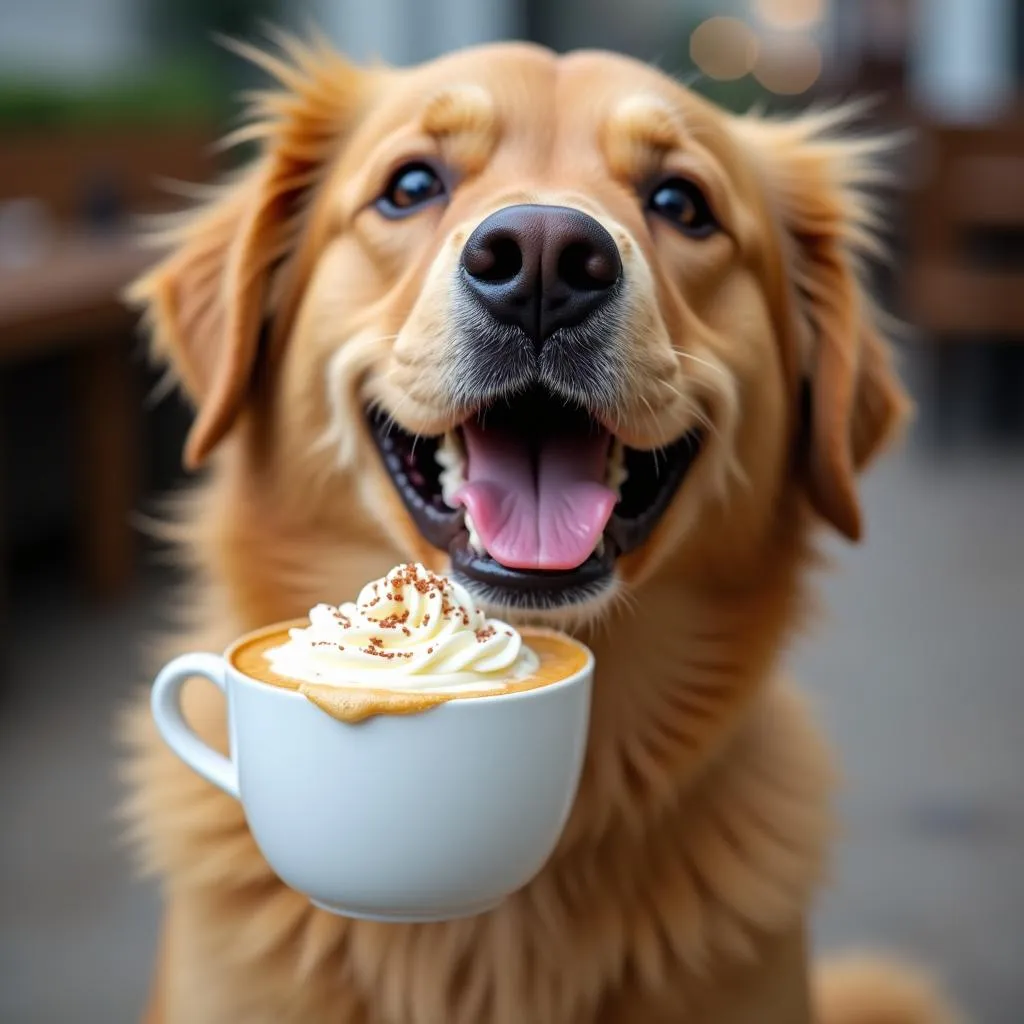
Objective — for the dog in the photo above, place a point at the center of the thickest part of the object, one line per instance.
(644, 317)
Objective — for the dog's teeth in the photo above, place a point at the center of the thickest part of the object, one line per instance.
(451, 457)
(599, 548)
(452, 460)
(616, 474)
(449, 452)
(475, 542)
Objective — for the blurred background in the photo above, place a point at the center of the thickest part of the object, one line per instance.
(917, 670)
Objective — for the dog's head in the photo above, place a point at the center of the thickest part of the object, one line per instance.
(556, 319)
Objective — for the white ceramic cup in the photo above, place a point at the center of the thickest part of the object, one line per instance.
(420, 817)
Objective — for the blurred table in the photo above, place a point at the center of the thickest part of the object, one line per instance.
(964, 278)
(72, 291)
(69, 300)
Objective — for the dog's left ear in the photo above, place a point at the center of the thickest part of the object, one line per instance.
(208, 300)
(819, 183)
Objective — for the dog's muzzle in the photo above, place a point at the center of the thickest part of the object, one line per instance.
(539, 298)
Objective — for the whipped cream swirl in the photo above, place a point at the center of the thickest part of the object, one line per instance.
(411, 630)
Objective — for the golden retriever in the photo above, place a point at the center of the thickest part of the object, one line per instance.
(637, 325)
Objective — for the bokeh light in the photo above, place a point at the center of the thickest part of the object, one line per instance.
(724, 48)
(788, 65)
(789, 14)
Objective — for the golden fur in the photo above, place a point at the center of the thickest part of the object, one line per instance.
(681, 886)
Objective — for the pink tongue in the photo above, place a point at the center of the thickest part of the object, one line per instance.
(542, 510)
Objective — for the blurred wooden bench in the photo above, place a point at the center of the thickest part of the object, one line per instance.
(965, 272)
(68, 301)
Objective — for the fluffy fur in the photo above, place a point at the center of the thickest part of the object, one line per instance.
(680, 888)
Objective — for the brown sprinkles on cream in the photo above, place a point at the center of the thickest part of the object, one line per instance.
(442, 597)
(389, 655)
(394, 621)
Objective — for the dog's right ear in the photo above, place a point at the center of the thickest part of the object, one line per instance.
(207, 300)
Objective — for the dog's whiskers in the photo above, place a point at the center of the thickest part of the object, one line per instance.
(655, 452)
(706, 363)
(693, 408)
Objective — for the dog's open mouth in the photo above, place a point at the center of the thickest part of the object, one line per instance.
(532, 498)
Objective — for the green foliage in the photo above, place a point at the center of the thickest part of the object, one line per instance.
(173, 92)
(738, 96)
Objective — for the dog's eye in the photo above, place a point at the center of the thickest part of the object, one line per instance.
(684, 204)
(411, 187)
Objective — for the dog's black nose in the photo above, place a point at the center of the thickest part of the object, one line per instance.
(541, 267)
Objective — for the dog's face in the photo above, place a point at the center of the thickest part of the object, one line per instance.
(555, 318)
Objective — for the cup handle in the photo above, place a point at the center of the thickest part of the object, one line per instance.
(165, 701)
